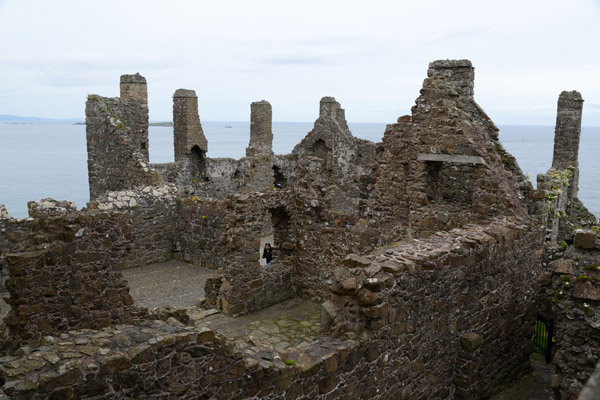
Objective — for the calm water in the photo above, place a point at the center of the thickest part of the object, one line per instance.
(50, 160)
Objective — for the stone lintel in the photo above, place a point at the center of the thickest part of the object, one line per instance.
(458, 159)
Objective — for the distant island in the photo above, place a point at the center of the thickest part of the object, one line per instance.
(166, 124)
(15, 119)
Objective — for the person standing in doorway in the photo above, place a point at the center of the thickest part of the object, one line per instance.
(268, 253)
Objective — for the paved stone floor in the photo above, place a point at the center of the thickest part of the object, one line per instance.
(283, 327)
(171, 283)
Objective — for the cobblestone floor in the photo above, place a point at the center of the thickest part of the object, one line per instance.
(171, 283)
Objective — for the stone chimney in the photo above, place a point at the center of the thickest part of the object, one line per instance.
(566, 137)
(331, 110)
(568, 130)
(260, 149)
(134, 87)
(187, 130)
(261, 134)
(459, 73)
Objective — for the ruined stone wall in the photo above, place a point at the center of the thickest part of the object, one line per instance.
(563, 212)
(260, 175)
(566, 135)
(198, 230)
(245, 285)
(117, 145)
(454, 323)
(62, 274)
(151, 210)
(443, 166)
(454, 313)
(575, 292)
(153, 360)
(336, 161)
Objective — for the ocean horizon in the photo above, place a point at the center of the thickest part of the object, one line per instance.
(40, 160)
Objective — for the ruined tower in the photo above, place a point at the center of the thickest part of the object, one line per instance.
(117, 138)
(189, 141)
(261, 134)
(260, 149)
(566, 136)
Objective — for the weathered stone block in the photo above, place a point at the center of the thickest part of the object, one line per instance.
(331, 362)
(584, 239)
(140, 354)
(328, 384)
(586, 290)
(356, 261)
(562, 266)
(367, 298)
(20, 389)
(471, 341)
(114, 363)
(328, 313)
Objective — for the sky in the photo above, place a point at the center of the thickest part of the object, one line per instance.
(372, 56)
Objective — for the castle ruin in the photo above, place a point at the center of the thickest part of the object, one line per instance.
(429, 255)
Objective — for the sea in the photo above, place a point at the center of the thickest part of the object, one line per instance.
(46, 160)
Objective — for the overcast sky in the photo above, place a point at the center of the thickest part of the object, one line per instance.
(372, 56)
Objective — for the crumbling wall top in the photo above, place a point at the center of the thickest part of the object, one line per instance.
(134, 87)
(458, 72)
(185, 93)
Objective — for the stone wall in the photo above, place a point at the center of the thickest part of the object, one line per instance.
(245, 285)
(455, 312)
(443, 166)
(575, 292)
(117, 145)
(336, 161)
(260, 175)
(154, 360)
(198, 231)
(432, 324)
(62, 274)
(151, 211)
(563, 211)
(566, 135)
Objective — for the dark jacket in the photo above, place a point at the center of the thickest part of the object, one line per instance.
(268, 255)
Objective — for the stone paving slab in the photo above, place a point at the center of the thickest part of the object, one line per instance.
(282, 327)
(171, 283)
